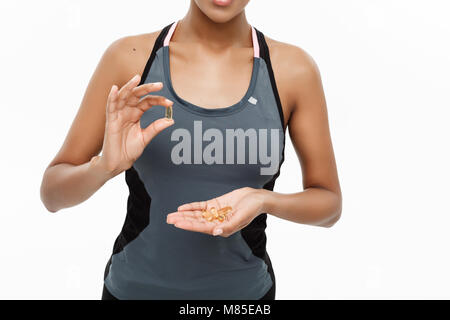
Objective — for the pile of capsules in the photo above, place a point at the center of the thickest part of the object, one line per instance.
(214, 214)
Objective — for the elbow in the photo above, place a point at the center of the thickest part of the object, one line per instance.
(45, 198)
(333, 220)
(336, 214)
(50, 209)
(46, 202)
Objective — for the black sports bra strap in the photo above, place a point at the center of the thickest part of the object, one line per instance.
(158, 44)
(264, 52)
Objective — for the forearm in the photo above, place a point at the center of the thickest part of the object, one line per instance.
(314, 206)
(65, 185)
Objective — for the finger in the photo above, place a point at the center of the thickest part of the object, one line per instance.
(150, 100)
(154, 128)
(112, 99)
(199, 205)
(174, 216)
(179, 218)
(194, 225)
(224, 229)
(125, 91)
(145, 88)
(210, 224)
(228, 227)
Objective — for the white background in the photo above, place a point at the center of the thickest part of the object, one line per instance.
(385, 66)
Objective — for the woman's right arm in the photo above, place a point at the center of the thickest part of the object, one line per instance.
(107, 121)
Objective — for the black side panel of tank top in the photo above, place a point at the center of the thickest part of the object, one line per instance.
(254, 233)
(138, 204)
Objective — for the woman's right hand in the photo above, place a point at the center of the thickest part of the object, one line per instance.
(124, 139)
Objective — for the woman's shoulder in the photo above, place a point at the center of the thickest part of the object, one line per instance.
(294, 69)
(129, 54)
(290, 61)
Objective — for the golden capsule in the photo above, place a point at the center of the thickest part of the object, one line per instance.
(205, 214)
(169, 112)
(214, 214)
(225, 210)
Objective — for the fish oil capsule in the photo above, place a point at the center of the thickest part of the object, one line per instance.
(214, 212)
(209, 216)
(225, 210)
(169, 112)
(205, 214)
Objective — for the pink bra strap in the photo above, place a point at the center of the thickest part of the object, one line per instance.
(255, 43)
(254, 39)
(170, 33)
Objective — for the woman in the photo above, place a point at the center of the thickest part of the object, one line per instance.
(233, 92)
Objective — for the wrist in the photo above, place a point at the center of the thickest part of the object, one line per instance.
(98, 164)
(266, 200)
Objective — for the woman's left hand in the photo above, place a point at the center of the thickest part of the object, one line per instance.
(246, 203)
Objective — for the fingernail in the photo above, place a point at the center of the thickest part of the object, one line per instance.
(158, 83)
(217, 232)
(135, 77)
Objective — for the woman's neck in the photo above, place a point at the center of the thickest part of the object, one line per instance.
(197, 27)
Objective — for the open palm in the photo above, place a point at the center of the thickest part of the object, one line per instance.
(246, 204)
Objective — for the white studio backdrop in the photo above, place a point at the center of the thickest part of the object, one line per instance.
(385, 67)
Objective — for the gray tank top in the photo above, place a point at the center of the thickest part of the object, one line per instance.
(206, 153)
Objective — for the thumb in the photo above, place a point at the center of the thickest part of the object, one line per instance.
(224, 229)
(156, 127)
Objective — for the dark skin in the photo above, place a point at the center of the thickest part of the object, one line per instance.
(217, 44)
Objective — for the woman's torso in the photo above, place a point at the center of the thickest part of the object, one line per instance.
(191, 161)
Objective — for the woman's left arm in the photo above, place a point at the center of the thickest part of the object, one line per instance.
(321, 201)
